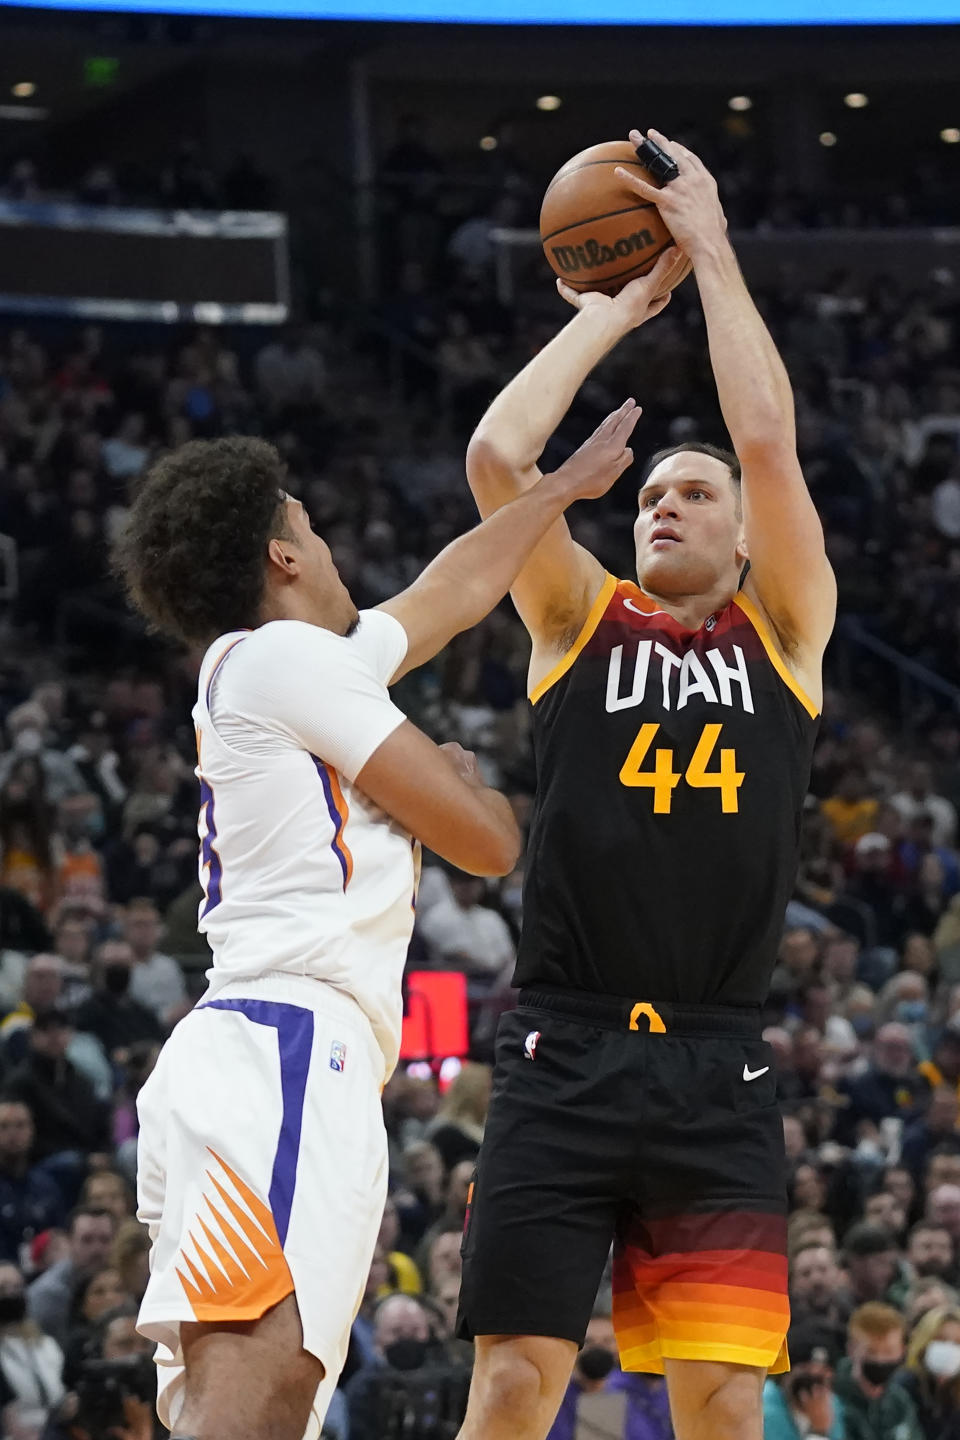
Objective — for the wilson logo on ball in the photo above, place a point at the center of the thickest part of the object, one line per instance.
(591, 255)
(597, 232)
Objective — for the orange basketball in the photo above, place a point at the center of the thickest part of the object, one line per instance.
(597, 234)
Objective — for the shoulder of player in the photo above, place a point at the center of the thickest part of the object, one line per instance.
(555, 650)
(280, 639)
(279, 656)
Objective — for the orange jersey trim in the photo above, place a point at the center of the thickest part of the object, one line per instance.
(589, 626)
(744, 603)
(343, 812)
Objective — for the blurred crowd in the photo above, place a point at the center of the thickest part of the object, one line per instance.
(99, 954)
(442, 206)
(438, 196)
(183, 180)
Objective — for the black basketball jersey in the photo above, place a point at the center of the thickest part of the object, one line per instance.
(672, 767)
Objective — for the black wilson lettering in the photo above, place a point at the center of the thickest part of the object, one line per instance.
(591, 254)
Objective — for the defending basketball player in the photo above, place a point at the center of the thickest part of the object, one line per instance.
(262, 1155)
(673, 721)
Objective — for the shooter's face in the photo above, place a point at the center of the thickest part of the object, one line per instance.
(689, 527)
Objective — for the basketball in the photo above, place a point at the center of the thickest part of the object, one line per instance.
(597, 234)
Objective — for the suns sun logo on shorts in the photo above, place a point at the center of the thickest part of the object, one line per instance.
(530, 1045)
(338, 1056)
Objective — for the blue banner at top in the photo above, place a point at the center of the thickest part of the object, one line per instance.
(555, 12)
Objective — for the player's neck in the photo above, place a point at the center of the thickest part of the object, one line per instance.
(289, 603)
(691, 611)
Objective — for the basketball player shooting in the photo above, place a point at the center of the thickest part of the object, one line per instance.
(262, 1166)
(673, 721)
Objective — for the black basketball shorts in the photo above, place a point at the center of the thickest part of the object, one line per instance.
(651, 1126)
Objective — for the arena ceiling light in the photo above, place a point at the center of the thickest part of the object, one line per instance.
(488, 142)
(950, 135)
(856, 100)
(23, 89)
(828, 139)
(549, 102)
(739, 103)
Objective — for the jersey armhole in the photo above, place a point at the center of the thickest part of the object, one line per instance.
(593, 619)
(215, 671)
(744, 603)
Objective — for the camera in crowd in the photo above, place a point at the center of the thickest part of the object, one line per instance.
(103, 1387)
(423, 1404)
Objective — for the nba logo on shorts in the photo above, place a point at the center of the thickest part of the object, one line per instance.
(338, 1056)
(530, 1045)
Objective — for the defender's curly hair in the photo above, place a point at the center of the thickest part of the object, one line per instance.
(193, 555)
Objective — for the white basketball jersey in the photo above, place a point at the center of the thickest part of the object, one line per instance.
(302, 874)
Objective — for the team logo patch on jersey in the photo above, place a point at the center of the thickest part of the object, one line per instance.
(530, 1045)
(338, 1056)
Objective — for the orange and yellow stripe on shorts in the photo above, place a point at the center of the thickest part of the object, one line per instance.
(707, 1286)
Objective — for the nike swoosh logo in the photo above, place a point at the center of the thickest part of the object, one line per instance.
(749, 1074)
(635, 608)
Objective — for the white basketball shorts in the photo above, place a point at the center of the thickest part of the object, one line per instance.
(262, 1169)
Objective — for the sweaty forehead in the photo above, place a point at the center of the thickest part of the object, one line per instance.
(688, 465)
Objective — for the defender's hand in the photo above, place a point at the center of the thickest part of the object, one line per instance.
(643, 298)
(593, 469)
(690, 204)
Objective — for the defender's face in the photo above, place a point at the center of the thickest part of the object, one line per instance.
(688, 534)
(320, 575)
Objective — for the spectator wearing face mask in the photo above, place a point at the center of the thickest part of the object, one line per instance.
(31, 1363)
(591, 1370)
(931, 1376)
(406, 1351)
(111, 1013)
(875, 1408)
(597, 1369)
(906, 999)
